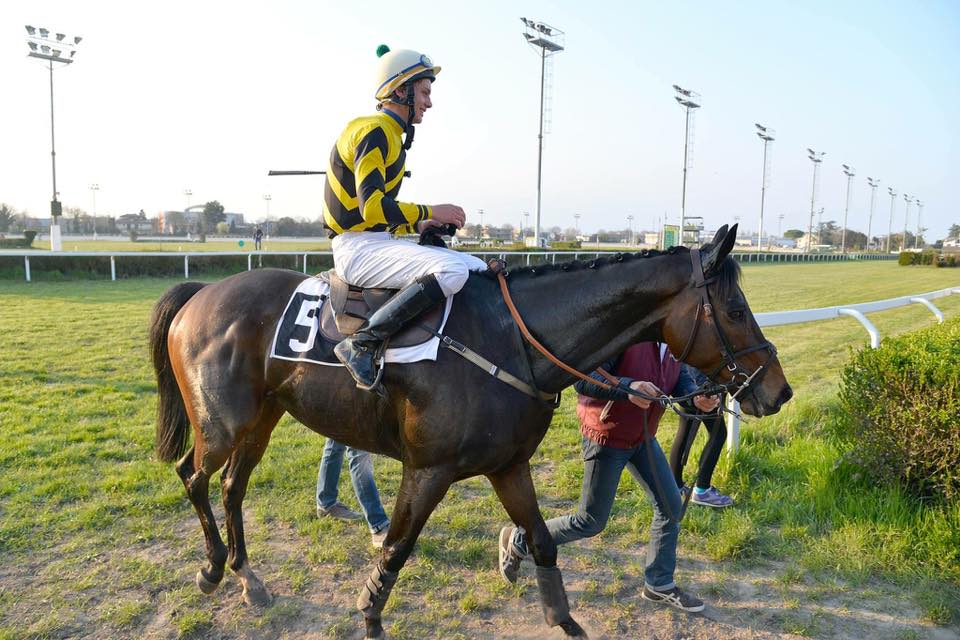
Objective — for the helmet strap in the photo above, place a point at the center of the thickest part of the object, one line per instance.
(408, 140)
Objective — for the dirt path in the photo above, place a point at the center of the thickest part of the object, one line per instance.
(148, 592)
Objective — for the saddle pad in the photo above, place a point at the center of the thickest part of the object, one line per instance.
(298, 336)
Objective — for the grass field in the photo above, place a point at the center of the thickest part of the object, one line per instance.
(98, 540)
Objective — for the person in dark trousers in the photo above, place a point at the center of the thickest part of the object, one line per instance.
(619, 431)
(704, 493)
(258, 239)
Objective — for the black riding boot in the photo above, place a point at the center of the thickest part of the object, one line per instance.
(359, 352)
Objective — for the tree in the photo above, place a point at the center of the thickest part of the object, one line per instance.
(212, 214)
(793, 234)
(954, 231)
(6, 217)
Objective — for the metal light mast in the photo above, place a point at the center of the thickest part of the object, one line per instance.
(906, 221)
(93, 189)
(816, 157)
(767, 135)
(549, 41)
(690, 101)
(61, 50)
(893, 199)
(873, 198)
(916, 240)
(849, 172)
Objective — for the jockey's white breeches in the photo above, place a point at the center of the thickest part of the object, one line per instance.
(377, 259)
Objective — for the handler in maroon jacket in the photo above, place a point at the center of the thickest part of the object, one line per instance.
(612, 423)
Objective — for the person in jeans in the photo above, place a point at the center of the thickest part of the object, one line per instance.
(361, 474)
(619, 431)
(704, 493)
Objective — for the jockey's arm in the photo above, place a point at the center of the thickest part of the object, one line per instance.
(375, 205)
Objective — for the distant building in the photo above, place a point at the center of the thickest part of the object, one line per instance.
(952, 242)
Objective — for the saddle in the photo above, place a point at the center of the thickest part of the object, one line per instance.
(349, 306)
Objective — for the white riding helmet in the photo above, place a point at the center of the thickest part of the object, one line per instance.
(398, 67)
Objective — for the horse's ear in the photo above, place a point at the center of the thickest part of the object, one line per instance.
(721, 233)
(721, 248)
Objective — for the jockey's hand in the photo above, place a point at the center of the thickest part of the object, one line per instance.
(706, 403)
(449, 214)
(643, 387)
(423, 225)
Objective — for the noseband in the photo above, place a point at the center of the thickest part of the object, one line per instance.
(741, 377)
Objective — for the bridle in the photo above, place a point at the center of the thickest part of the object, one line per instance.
(740, 375)
(741, 378)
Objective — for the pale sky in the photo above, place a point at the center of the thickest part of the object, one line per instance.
(210, 95)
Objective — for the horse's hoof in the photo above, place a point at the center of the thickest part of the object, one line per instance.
(573, 630)
(205, 585)
(257, 597)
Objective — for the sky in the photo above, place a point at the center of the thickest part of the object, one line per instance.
(210, 95)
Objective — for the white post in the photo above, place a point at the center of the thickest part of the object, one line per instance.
(186, 266)
(304, 263)
(249, 261)
(113, 269)
(26, 266)
(733, 426)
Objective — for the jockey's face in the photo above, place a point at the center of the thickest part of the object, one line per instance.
(421, 98)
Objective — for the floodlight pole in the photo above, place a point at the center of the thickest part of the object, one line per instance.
(916, 239)
(545, 38)
(849, 172)
(816, 158)
(48, 49)
(893, 200)
(873, 198)
(906, 219)
(267, 197)
(93, 189)
(689, 100)
(767, 135)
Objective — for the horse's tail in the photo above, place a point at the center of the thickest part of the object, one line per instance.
(173, 425)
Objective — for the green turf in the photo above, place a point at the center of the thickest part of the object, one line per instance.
(82, 498)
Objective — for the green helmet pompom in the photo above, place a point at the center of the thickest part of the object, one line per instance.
(382, 49)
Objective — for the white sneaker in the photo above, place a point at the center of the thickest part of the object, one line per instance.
(377, 537)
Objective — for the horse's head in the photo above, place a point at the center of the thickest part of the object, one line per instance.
(710, 326)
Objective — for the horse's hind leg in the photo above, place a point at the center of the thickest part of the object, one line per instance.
(420, 492)
(514, 487)
(197, 481)
(233, 486)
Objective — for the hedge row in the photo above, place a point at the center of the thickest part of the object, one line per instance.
(909, 258)
(902, 411)
(86, 267)
(19, 243)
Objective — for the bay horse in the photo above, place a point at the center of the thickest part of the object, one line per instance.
(445, 420)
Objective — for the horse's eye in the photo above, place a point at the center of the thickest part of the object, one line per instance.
(736, 314)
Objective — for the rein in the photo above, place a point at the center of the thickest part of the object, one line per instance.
(704, 309)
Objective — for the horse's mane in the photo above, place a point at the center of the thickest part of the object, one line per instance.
(577, 265)
(728, 276)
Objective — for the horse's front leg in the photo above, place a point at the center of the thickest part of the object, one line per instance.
(514, 487)
(420, 492)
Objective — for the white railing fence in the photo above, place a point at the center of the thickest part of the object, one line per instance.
(522, 258)
(856, 311)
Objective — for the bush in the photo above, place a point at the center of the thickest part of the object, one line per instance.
(908, 258)
(25, 242)
(902, 411)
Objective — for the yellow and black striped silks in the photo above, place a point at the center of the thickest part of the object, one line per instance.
(363, 179)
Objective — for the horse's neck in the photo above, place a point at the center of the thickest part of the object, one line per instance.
(587, 316)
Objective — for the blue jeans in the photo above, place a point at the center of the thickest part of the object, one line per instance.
(361, 474)
(602, 467)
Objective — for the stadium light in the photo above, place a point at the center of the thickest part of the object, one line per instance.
(906, 220)
(51, 55)
(873, 198)
(893, 199)
(767, 135)
(849, 172)
(690, 101)
(549, 40)
(816, 158)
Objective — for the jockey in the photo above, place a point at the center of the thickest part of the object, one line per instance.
(362, 213)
